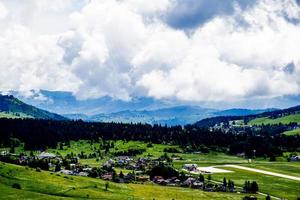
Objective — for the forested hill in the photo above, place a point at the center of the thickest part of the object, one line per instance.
(11, 107)
(267, 116)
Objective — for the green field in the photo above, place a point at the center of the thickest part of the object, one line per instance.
(11, 115)
(283, 120)
(202, 159)
(288, 168)
(46, 185)
(276, 186)
(63, 187)
(292, 132)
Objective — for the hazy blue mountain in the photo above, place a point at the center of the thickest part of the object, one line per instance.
(179, 115)
(242, 112)
(66, 103)
(144, 110)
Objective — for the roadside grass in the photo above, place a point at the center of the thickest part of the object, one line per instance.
(283, 120)
(287, 168)
(279, 187)
(157, 192)
(44, 185)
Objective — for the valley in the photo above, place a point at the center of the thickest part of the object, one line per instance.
(64, 185)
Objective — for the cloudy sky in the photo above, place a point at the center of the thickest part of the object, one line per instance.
(185, 50)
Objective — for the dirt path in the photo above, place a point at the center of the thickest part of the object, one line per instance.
(265, 172)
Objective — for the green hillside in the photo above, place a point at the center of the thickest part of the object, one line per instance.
(283, 120)
(11, 107)
(47, 185)
(292, 132)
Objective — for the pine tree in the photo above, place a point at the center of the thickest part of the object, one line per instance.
(254, 187)
(209, 177)
(224, 182)
(121, 175)
(201, 178)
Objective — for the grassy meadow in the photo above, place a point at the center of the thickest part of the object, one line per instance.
(283, 120)
(276, 186)
(47, 185)
(292, 132)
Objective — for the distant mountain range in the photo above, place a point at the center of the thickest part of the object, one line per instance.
(11, 107)
(65, 103)
(143, 110)
(178, 115)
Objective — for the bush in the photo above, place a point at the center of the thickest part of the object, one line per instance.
(16, 186)
(171, 150)
(149, 145)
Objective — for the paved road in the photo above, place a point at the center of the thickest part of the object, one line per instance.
(295, 178)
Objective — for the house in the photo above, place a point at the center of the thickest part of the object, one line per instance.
(142, 178)
(189, 181)
(123, 160)
(4, 153)
(83, 174)
(72, 166)
(45, 155)
(139, 172)
(129, 177)
(190, 167)
(197, 185)
(176, 158)
(88, 169)
(107, 176)
(295, 158)
(67, 172)
(159, 180)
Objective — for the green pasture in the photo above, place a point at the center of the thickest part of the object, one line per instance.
(46, 185)
(276, 186)
(283, 120)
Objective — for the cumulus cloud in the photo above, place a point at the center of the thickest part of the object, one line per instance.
(125, 48)
(3, 11)
(31, 62)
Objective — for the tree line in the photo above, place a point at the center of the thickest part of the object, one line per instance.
(42, 134)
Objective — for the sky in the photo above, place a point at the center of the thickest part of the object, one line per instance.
(181, 50)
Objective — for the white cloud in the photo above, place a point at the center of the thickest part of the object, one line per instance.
(230, 61)
(122, 48)
(3, 11)
(31, 62)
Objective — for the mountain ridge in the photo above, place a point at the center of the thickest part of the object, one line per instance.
(247, 118)
(12, 107)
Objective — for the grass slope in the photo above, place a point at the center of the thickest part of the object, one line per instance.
(288, 168)
(44, 185)
(283, 120)
(279, 187)
(292, 132)
(12, 107)
(12, 115)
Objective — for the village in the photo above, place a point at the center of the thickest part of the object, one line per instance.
(139, 171)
